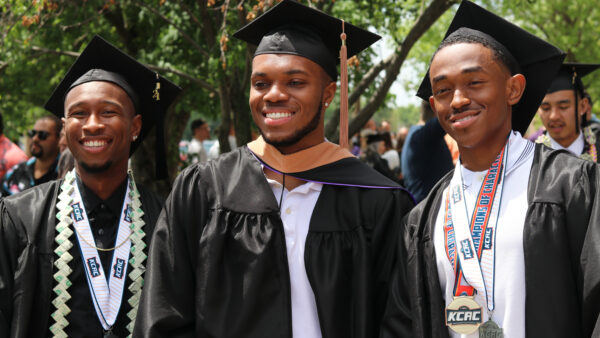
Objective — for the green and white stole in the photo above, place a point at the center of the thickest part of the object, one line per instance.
(106, 296)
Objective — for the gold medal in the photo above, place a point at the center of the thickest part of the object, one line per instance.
(463, 315)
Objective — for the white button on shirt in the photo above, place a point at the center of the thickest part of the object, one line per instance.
(297, 206)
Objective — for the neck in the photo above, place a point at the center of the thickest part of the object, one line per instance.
(103, 184)
(42, 165)
(299, 146)
(565, 143)
(481, 157)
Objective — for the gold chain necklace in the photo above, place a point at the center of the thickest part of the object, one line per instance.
(101, 249)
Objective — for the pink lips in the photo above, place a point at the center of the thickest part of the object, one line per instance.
(463, 120)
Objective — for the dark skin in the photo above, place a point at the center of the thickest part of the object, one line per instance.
(287, 91)
(100, 124)
(472, 97)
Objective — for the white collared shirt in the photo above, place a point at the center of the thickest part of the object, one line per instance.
(296, 210)
(509, 312)
(576, 147)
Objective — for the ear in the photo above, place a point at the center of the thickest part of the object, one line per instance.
(432, 104)
(584, 107)
(136, 125)
(515, 86)
(328, 93)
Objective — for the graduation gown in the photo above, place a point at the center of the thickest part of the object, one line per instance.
(561, 242)
(27, 233)
(218, 264)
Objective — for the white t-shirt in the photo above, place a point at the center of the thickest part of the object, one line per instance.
(392, 158)
(296, 210)
(509, 295)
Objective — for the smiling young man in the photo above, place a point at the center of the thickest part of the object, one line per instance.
(41, 168)
(72, 250)
(563, 112)
(507, 243)
(289, 236)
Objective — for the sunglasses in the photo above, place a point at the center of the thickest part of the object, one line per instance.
(42, 135)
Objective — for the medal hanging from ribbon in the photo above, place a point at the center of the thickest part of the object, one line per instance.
(107, 293)
(470, 245)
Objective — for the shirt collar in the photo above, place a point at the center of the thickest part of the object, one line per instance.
(576, 147)
(91, 201)
(302, 189)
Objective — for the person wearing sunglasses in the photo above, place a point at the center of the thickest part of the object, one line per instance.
(41, 167)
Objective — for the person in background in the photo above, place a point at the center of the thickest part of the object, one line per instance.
(389, 154)
(215, 149)
(564, 113)
(200, 132)
(10, 153)
(425, 156)
(41, 167)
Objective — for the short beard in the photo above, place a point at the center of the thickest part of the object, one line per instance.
(95, 169)
(297, 135)
(37, 154)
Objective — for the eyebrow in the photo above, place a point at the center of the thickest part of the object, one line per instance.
(289, 72)
(83, 103)
(464, 71)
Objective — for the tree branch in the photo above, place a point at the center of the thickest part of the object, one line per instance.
(183, 34)
(435, 9)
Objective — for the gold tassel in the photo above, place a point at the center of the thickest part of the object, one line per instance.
(155, 92)
(343, 91)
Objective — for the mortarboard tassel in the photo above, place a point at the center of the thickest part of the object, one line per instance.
(343, 91)
(577, 122)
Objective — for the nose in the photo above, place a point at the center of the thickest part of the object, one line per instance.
(275, 93)
(459, 99)
(554, 114)
(93, 124)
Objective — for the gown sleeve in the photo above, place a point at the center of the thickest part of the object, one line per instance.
(167, 306)
(13, 251)
(590, 252)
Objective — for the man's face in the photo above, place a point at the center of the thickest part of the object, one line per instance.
(287, 96)
(202, 133)
(472, 94)
(99, 125)
(558, 115)
(48, 147)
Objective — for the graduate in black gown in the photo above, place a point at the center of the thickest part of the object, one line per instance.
(234, 253)
(563, 112)
(65, 243)
(485, 83)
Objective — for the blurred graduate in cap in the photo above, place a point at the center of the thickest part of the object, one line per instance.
(289, 235)
(72, 251)
(564, 112)
(507, 243)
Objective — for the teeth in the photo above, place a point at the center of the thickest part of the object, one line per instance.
(94, 143)
(465, 118)
(276, 116)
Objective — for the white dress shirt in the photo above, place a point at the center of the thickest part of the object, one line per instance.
(576, 147)
(296, 210)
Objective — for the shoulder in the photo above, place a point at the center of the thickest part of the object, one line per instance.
(557, 174)
(31, 208)
(426, 211)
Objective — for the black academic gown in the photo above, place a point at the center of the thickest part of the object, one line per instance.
(561, 242)
(27, 232)
(218, 268)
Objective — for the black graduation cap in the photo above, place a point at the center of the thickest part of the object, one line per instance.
(538, 60)
(151, 93)
(292, 28)
(569, 78)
